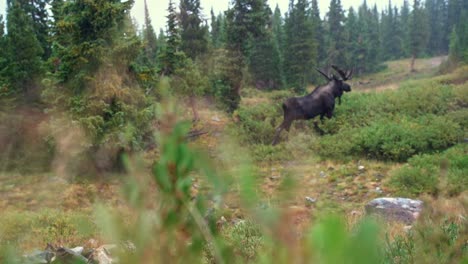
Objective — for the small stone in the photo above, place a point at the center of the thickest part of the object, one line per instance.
(274, 178)
(378, 190)
(322, 174)
(215, 118)
(361, 168)
(310, 200)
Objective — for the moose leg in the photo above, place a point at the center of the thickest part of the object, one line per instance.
(317, 128)
(277, 134)
(285, 125)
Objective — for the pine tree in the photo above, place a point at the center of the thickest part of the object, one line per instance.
(459, 39)
(172, 58)
(193, 33)
(279, 40)
(319, 35)
(215, 30)
(23, 53)
(93, 82)
(369, 42)
(352, 41)
(264, 58)
(300, 54)
(398, 35)
(436, 9)
(37, 11)
(388, 33)
(149, 38)
(419, 31)
(336, 37)
(3, 60)
(405, 28)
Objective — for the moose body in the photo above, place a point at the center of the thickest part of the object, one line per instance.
(320, 102)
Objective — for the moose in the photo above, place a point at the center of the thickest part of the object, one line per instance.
(321, 101)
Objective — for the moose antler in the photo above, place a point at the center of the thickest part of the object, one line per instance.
(345, 75)
(324, 74)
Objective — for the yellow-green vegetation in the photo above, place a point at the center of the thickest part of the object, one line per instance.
(228, 196)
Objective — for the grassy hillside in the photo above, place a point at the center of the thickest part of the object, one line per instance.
(395, 134)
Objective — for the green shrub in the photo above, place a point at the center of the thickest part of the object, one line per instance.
(257, 123)
(423, 173)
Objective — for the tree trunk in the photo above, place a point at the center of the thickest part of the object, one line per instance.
(193, 105)
(413, 59)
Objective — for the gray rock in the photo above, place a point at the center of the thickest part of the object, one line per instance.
(39, 257)
(65, 255)
(215, 118)
(310, 200)
(361, 168)
(322, 174)
(395, 209)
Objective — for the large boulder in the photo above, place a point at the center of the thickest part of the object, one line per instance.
(395, 209)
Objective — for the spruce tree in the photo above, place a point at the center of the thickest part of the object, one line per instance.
(3, 60)
(37, 11)
(459, 39)
(319, 35)
(336, 37)
(23, 53)
(388, 33)
(277, 23)
(352, 41)
(436, 10)
(300, 54)
(419, 31)
(93, 83)
(149, 38)
(215, 30)
(192, 32)
(405, 28)
(172, 57)
(264, 58)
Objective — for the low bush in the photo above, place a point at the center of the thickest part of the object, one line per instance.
(432, 173)
(257, 123)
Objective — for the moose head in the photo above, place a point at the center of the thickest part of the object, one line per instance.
(336, 84)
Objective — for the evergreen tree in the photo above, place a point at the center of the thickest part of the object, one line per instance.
(419, 31)
(459, 39)
(193, 33)
(336, 37)
(388, 49)
(319, 35)
(398, 48)
(279, 40)
(37, 11)
(264, 58)
(149, 38)
(436, 9)
(405, 29)
(95, 45)
(352, 42)
(215, 30)
(172, 58)
(3, 60)
(22, 52)
(300, 54)
(369, 43)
